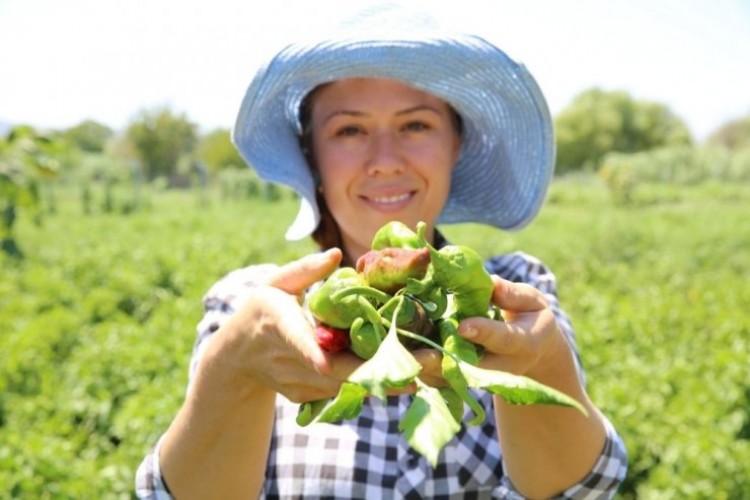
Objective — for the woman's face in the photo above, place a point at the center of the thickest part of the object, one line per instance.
(385, 151)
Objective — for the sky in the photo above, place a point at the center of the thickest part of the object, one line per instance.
(65, 61)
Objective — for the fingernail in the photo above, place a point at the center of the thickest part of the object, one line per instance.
(331, 251)
(325, 256)
(469, 332)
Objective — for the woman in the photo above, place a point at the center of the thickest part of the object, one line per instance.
(425, 126)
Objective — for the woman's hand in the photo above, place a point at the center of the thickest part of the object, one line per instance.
(539, 441)
(218, 444)
(529, 341)
(270, 341)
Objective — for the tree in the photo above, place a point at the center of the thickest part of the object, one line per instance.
(733, 135)
(26, 157)
(159, 138)
(89, 136)
(217, 152)
(598, 122)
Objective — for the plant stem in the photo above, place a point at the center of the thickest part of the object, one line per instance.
(361, 290)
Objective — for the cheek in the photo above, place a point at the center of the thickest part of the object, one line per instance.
(331, 163)
(334, 183)
(439, 168)
(332, 178)
(442, 179)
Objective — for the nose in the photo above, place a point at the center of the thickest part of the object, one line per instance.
(385, 155)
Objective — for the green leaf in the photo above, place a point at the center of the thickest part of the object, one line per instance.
(391, 366)
(454, 402)
(466, 351)
(428, 424)
(309, 410)
(452, 373)
(347, 404)
(516, 389)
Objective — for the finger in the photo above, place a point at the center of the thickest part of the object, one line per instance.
(343, 364)
(296, 276)
(432, 369)
(303, 339)
(300, 384)
(505, 344)
(517, 297)
(496, 336)
(431, 361)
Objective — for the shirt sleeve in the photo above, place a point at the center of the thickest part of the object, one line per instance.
(601, 482)
(149, 483)
(608, 471)
(610, 468)
(219, 303)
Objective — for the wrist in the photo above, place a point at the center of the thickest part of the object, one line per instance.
(220, 374)
(557, 368)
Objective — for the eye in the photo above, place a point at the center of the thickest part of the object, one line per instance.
(416, 126)
(348, 131)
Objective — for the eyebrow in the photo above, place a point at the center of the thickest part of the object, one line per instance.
(355, 113)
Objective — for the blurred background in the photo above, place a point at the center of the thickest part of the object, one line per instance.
(122, 200)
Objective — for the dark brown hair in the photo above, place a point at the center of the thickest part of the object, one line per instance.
(327, 234)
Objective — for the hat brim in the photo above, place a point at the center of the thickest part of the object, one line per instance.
(507, 155)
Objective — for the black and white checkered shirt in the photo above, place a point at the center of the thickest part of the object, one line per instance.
(367, 457)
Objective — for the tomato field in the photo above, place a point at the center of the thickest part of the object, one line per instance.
(98, 320)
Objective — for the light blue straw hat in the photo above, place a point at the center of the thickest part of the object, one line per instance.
(507, 155)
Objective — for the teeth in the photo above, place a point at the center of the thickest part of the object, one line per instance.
(391, 199)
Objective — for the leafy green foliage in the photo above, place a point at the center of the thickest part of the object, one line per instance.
(656, 294)
(26, 158)
(401, 281)
(627, 173)
(733, 135)
(216, 150)
(98, 323)
(160, 139)
(428, 423)
(598, 122)
(89, 136)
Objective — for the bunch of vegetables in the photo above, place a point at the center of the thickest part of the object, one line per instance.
(405, 294)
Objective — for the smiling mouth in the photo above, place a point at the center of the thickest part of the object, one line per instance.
(391, 199)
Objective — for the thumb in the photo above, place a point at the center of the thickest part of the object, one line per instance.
(296, 276)
(516, 297)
